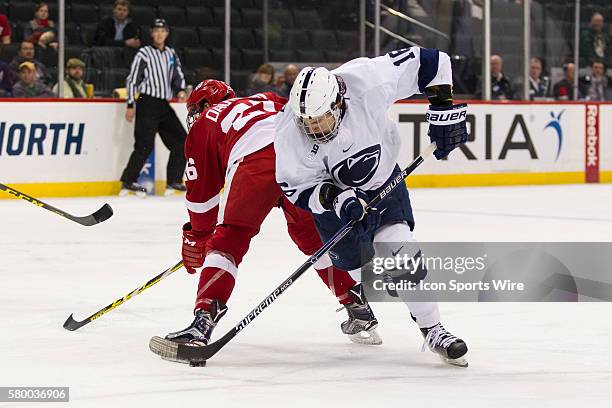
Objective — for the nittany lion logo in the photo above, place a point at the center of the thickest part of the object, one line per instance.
(358, 169)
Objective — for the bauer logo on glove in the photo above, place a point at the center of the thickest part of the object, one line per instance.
(447, 128)
(446, 117)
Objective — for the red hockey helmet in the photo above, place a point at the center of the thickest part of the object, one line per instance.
(208, 92)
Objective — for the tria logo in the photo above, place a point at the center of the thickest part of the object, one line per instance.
(555, 124)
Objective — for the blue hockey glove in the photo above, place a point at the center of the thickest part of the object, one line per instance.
(350, 205)
(447, 128)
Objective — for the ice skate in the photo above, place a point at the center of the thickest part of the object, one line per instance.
(174, 189)
(451, 349)
(132, 189)
(361, 324)
(197, 334)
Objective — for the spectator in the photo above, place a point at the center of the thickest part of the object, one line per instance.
(5, 30)
(41, 31)
(74, 86)
(26, 53)
(598, 84)
(564, 89)
(6, 80)
(289, 76)
(539, 85)
(262, 80)
(28, 86)
(118, 30)
(501, 86)
(595, 43)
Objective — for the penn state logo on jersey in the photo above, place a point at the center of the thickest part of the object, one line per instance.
(358, 169)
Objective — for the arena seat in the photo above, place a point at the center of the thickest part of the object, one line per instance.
(143, 15)
(197, 57)
(252, 57)
(184, 37)
(211, 37)
(82, 13)
(174, 15)
(307, 19)
(242, 38)
(200, 16)
(324, 39)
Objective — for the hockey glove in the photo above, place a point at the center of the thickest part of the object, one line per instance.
(350, 205)
(193, 248)
(447, 128)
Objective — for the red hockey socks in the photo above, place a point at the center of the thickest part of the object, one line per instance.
(338, 281)
(215, 284)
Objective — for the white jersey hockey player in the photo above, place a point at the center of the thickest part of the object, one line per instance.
(336, 147)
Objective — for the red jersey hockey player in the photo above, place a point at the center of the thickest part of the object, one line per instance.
(231, 188)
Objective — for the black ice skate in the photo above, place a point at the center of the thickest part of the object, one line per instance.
(174, 188)
(451, 349)
(132, 188)
(361, 324)
(195, 335)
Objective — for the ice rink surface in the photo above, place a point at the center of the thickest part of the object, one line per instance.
(293, 355)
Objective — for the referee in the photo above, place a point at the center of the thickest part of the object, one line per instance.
(156, 71)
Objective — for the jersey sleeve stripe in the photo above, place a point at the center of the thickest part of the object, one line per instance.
(201, 208)
(428, 68)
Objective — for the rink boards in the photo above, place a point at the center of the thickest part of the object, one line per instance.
(70, 148)
(516, 144)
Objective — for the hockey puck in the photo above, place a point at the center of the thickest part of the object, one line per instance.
(197, 363)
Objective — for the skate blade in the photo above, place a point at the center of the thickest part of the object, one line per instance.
(370, 338)
(458, 362)
(168, 350)
(139, 194)
(171, 192)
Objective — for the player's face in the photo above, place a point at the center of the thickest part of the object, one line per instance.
(321, 126)
(194, 113)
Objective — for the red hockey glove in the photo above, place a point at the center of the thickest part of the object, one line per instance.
(193, 248)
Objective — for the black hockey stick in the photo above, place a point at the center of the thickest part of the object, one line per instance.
(72, 325)
(199, 355)
(103, 214)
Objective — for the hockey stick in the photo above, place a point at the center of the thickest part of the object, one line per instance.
(72, 325)
(197, 355)
(103, 214)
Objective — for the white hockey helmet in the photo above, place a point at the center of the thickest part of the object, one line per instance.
(316, 100)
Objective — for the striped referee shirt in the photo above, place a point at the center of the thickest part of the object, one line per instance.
(156, 73)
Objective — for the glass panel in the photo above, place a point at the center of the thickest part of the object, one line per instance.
(452, 26)
(506, 50)
(595, 50)
(302, 32)
(41, 48)
(552, 49)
